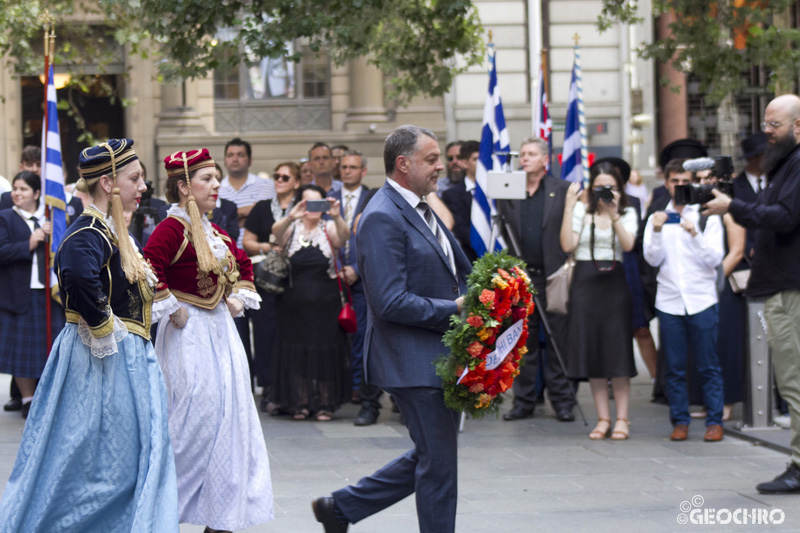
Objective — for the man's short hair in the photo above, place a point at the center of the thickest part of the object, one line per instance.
(403, 141)
(339, 147)
(538, 141)
(239, 142)
(451, 144)
(319, 144)
(675, 166)
(356, 153)
(31, 155)
(467, 149)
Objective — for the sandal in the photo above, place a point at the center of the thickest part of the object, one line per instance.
(618, 433)
(598, 433)
(301, 414)
(324, 416)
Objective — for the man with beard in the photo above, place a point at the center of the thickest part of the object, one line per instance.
(455, 172)
(774, 218)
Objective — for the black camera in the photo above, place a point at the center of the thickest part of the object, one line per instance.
(603, 194)
(721, 167)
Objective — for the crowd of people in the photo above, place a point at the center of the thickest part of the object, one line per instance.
(154, 337)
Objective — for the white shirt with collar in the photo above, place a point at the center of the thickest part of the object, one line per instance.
(469, 184)
(41, 219)
(414, 201)
(753, 180)
(356, 197)
(687, 265)
(254, 190)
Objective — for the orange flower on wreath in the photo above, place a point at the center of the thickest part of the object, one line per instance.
(487, 298)
(475, 321)
(475, 349)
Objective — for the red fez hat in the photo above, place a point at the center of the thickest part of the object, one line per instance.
(184, 163)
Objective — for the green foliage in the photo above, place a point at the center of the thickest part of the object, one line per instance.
(702, 40)
(414, 42)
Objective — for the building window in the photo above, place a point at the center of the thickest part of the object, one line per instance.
(265, 94)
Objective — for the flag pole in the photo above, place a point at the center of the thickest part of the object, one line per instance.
(48, 22)
(581, 116)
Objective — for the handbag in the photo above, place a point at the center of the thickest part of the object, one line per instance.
(347, 315)
(557, 288)
(738, 280)
(274, 273)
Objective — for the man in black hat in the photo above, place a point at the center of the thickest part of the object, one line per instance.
(751, 180)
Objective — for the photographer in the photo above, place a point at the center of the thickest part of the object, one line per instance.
(600, 328)
(687, 256)
(774, 217)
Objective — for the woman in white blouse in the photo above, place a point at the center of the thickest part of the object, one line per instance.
(597, 227)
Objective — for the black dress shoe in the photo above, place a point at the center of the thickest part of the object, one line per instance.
(565, 414)
(786, 483)
(14, 404)
(366, 417)
(325, 512)
(518, 413)
(26, 407)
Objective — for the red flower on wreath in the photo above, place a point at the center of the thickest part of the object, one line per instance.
(475, 349)
(487, 298)
(475, 321)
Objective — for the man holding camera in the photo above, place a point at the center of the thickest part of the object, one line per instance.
(687, 255)
(774, 218)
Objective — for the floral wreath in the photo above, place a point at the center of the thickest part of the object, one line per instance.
(487, 340)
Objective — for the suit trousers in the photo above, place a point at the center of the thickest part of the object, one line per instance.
(430, 469)
(357, 339)
(558, 387)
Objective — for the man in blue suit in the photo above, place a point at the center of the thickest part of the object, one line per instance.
(353, 197)
(414, 274)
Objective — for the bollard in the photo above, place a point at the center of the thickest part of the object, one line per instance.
(758, 397)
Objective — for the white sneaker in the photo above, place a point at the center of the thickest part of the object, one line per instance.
(782, 421)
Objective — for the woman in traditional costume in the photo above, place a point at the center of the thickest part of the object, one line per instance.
(95, 454)
(204, 281)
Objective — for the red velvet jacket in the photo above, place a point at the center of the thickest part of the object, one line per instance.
(172, 256)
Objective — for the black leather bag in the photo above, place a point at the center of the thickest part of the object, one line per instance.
(273, 273)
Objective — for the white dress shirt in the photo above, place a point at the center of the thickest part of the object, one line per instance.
(753, 179)
(414, 200)
(687, 265)
(356, 197)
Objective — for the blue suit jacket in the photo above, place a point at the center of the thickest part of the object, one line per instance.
(16, 260)
(410, 291)
(352, 255)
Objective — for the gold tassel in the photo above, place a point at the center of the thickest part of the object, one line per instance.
(206, 261)
(131, 264)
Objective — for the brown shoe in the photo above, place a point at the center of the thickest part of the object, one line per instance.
(680, 432)
(713, 433)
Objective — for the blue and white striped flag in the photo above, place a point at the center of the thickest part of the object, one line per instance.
(574, 154)
(52, 171)
(494, 138)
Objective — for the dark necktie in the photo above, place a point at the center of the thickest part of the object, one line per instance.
(427, 212)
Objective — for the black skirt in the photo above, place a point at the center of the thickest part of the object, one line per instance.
(600, 327)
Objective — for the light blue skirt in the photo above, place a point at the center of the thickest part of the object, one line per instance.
(95, 454)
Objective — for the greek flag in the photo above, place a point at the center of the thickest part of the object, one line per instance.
(52, 171)
(574, 159)
(494, 138)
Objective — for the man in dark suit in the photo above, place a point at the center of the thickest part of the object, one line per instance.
(414, 273)
(353, 197)
(751, 181)
(536, 225)
(458, 197)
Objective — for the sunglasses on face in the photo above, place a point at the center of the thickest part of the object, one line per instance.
(281, 177)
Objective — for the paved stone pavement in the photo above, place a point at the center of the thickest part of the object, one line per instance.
(524, 476)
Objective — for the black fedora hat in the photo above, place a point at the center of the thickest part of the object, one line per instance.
(621, 165)
(754, 144)
(681, 149)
